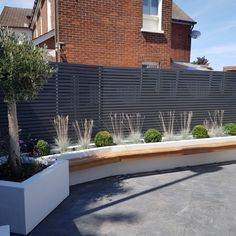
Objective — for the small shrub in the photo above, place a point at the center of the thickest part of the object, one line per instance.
(230, 128)
(200, 131)
(43, 148)
(103, 138)
(152, 136)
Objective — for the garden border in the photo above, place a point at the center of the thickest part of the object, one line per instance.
(97, 163)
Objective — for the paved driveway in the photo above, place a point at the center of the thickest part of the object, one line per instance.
(197, 201)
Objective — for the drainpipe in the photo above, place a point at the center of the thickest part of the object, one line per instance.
(57, 46)
(190, 49)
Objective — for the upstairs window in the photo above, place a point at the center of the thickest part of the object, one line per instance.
(150, 7)
(152, 16)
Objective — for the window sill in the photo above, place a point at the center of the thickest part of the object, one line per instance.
(152, 17)
(152, 31)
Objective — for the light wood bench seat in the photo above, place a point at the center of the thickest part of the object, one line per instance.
(105, 158)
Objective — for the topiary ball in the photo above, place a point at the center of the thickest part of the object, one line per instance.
(152, 136)
(200, 131)
(103, 138)
(43, 148)
(230, 128)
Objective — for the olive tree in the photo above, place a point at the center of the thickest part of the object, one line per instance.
(23, 71)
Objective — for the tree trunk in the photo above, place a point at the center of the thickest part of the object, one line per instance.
(14, 148)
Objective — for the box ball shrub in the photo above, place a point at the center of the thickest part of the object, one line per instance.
(200, 131)
(230, 128)
(152, 136)
(43, 148)
(103, 138)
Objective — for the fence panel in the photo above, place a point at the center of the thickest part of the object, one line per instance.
(93, 92)
(35, 117)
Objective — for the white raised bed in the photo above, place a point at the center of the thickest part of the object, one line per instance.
(147, 164)
(5, 230)
(24, 205)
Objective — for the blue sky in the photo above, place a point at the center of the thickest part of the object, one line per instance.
(216, 21)
(16, 3)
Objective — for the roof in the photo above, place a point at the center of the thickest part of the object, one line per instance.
(15, 17)
(230, 68)
(189, 66)
(179, 15)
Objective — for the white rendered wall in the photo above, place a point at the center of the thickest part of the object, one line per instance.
(24, 205)
(5, 230)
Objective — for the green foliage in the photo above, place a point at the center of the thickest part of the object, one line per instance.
(43, 148)
(152, 136)
(199, 131)
(201, 61)
(103, 138)
(27, 171)
(23, 66)
(230, 128)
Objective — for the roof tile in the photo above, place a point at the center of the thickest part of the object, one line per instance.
(179, 15)
(15, 17)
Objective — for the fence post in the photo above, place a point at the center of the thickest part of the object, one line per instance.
(177, 81)
(141, 80)
(75, 95)
(158, 82)
(57, 90)
(100, 74)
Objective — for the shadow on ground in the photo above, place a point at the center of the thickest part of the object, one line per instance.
(90, 198)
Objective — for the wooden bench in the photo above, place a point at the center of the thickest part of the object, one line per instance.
(104, 158)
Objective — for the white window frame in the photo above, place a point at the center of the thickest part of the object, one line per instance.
(150, 1)
(41, 24)
(151, 65)
(153, 23)
(49, 14)
(36, 30)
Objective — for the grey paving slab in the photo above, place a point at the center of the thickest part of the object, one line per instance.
(196, 201)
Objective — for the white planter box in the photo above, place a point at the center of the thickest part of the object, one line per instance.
(24, 205)
(5, 230)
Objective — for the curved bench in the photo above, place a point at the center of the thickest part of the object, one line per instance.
(143, 159)
(119, 156)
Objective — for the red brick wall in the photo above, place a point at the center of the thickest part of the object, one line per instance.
(106, 32)
(181, 42)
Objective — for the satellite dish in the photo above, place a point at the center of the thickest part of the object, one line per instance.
(195, 34)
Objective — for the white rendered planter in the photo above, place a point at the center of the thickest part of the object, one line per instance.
(147, 164)
(24, 205)
(5, 230)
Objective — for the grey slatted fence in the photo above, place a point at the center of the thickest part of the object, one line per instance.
(93, 92)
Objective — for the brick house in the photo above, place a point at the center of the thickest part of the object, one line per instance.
(16, 19)
(230, 68)
(113, 33)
